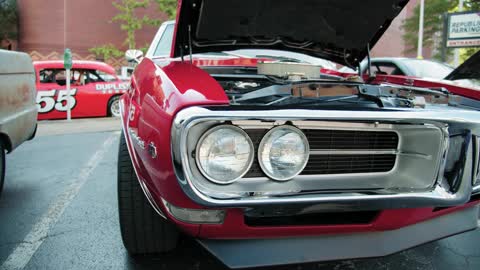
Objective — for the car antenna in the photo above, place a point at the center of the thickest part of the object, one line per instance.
(190, 42)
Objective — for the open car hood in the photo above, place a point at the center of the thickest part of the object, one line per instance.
(336, 30)
(470, 69)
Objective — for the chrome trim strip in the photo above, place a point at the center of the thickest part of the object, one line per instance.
(354, 152)
(132, 157)
(325, 125)
(136, 138)
(438, 195)
(476, 165)
(476, 190)
(369, 152)
(417, 155)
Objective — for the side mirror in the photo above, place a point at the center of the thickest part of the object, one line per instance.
(134, 56)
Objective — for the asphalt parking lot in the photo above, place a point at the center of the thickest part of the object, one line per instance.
(58, 210)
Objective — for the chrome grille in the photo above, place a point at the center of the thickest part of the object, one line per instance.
(333, 164)
(340, 151)
(351, 139)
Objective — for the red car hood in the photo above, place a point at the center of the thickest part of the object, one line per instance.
(336, 30)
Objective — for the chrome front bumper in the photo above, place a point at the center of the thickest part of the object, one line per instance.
(438, 194)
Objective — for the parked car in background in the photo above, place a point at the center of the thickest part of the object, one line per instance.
(268, 162)
(18, 113)
(464, 80)
(401, 66)
(95, 90)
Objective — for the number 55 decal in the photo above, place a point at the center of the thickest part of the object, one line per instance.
(46, 100)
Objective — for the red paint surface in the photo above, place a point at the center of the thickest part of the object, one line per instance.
(235, 228)
(229, 62)
(414, 81)
(153, 102)
(150, 107)
(90, 102)
(419, 82)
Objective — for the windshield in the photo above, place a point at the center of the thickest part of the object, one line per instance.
(427, 69)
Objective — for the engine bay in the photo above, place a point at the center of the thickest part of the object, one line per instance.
(296, 85)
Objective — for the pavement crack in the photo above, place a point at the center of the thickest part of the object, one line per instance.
(57, 234)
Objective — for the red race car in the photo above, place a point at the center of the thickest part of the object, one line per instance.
(95, 90)
(272, 162)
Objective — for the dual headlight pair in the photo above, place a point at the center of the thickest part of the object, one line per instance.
(225, 153)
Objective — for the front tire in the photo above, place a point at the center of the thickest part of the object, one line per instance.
(114, 106)
(2, 166)
(143, 230)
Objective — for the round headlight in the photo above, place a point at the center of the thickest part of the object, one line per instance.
(283, 153)
(224, 154)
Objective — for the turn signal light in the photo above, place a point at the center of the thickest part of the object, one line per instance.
(195, 216)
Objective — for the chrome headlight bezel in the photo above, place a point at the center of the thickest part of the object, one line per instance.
(422, 145)
(476, 160)
(250, 158)
(264, 140)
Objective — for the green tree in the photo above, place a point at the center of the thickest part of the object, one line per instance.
(169, 7)
(106, 52)
(433, 23)
(8, 20)
(129, 22)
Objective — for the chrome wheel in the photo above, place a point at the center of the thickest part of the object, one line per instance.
(115, 107)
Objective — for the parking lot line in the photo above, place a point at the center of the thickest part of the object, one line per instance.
(22, 254)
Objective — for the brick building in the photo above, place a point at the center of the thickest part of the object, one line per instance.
(47, 27)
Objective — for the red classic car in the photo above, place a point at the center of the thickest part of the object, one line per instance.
(95, 90)
(272, 162)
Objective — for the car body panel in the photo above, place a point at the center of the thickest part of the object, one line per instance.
(451, 86)
(264, 252)
(424, 82)
(148, 114)
(18, 113)
(90, 99)
(159, 178)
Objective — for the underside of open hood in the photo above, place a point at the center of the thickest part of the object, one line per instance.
(470, 69)
(336, 30)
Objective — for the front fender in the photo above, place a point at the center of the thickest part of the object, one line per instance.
(157, 93)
